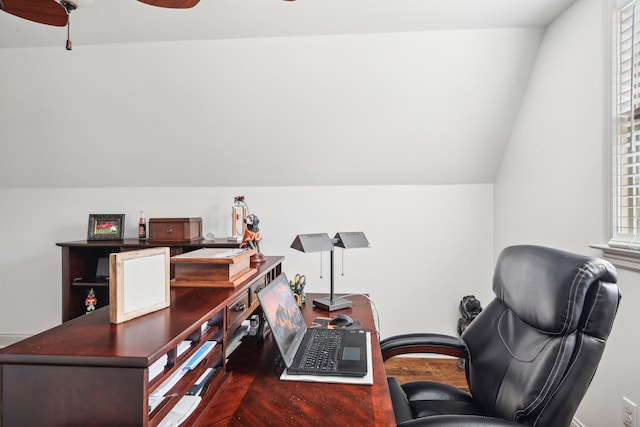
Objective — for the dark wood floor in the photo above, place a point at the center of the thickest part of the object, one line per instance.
(413, 368)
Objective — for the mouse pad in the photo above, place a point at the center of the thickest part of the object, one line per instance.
(323, 322)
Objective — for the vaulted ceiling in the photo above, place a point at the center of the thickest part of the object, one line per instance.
(267, 92)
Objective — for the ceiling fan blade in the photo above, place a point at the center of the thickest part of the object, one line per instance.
(48, 12)
(174, 4)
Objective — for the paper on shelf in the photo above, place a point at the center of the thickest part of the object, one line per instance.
(181, 411)
(193, 361)
(230, 253)
(204, 328)
(170, 382)
(183, 346)
(157, 367)
(154, 401)
(211, 253)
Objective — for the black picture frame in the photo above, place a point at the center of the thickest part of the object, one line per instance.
(106, 227)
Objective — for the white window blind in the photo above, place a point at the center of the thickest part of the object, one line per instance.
(626, 155)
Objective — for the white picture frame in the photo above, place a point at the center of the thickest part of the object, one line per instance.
(138, 283)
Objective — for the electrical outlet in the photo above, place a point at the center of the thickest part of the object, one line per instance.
(628, 412)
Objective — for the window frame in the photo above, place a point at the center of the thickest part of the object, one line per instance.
(617, 250)
(623, 217)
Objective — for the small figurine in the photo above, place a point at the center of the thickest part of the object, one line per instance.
(252, 236)
(469, 309)
(90, 301)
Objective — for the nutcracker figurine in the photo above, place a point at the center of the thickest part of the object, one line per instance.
(90, 301)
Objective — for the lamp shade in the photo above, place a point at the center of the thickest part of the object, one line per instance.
(351, 239)
(312, 242)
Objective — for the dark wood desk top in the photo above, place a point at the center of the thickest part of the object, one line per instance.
(254, 395)
(92, 340)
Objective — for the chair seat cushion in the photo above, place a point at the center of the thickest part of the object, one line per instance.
(428, 398)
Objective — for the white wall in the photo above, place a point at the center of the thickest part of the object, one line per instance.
(374, 109)
(419, 235)
(549, 189)
(179, 128)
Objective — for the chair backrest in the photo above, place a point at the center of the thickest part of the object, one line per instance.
(534, 349)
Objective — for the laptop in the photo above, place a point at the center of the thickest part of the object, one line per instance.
(295, 340)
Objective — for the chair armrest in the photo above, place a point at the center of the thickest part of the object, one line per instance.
(423, 343)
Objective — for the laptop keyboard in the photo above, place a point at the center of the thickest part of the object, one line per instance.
(322, 351)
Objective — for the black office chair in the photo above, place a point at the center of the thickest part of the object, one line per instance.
(530, 354)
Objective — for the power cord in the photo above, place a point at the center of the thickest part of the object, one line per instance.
(376, 319)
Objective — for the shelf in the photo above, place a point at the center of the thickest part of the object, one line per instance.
(90, 284)
(42, 371)
(80, 261)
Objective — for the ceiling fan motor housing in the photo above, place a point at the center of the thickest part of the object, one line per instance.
(69, 5)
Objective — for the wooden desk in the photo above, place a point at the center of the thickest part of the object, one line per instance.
(253, 394)
(89, 372)
(92, 373)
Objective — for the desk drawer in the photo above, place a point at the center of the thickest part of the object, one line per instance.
(237, 309)
(259, 285)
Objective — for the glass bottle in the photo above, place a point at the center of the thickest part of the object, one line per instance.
(142, 227)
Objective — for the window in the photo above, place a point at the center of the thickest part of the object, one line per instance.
(626, 153)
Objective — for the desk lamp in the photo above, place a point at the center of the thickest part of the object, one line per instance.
(322, 242)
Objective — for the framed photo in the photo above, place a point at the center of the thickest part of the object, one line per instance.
(106, 227)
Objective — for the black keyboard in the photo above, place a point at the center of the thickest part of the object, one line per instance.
(322, 351)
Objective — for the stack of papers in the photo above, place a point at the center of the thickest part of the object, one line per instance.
(157, 367)
(182, 347)
(158, 395)
(181, 411)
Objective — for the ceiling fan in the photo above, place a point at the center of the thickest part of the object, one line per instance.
(52, 12)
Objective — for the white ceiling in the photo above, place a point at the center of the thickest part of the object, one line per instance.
(126, 21)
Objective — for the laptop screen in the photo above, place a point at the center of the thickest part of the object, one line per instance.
(284, 316)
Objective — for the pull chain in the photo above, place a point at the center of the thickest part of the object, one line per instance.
(69, 33)
(69, 6)
(342, 268)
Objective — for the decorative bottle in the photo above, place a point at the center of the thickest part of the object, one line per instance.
(142, 228)
(239, 213)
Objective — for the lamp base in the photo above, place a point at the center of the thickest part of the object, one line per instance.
(330, 304)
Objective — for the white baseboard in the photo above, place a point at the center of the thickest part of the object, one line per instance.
(8, 339)
(576, 423)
